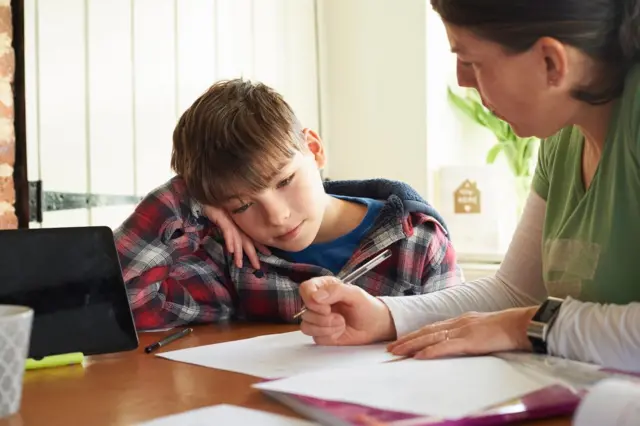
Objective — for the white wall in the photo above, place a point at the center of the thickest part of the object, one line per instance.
(373, 68)
(107, 80)
(385, 66)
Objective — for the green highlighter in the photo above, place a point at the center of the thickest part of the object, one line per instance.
(54, 361)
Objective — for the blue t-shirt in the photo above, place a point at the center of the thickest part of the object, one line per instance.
(333, 255)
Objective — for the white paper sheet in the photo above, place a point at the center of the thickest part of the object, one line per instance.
(278, 355)
(226, 415)
(447, 388)
(612, 402)
(571, 374)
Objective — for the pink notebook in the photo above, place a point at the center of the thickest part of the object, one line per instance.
(552, 401)
(549, 402)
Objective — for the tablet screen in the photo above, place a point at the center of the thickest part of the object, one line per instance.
(71, 278)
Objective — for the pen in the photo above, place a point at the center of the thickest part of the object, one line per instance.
(357, 273)
(175, 336)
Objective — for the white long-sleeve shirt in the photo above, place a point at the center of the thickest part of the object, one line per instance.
(608, 335)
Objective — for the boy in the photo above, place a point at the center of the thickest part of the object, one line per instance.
(239, 149)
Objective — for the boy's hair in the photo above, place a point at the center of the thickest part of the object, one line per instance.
(235, 137)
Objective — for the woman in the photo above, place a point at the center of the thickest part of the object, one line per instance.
(563, 70)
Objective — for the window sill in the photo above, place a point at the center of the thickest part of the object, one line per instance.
(481, 258)
(473, 271)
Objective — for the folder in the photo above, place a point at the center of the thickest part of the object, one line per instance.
(561, 398)
(550, 402)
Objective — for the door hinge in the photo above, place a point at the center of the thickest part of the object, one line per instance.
(48, 201)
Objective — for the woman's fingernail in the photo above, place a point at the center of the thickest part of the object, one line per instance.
(320, 295)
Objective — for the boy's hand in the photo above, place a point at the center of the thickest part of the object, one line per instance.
(237, 242)
(341, 314)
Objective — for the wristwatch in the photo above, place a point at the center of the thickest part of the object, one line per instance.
(539, 327)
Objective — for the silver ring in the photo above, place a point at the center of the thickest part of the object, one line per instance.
(446, 335)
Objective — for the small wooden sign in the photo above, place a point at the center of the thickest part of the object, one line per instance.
(466, 198)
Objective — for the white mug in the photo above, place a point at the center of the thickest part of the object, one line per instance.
(15, 335)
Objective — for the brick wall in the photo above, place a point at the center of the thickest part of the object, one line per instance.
(8, 218)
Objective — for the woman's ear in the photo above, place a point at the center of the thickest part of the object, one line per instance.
(556, 59)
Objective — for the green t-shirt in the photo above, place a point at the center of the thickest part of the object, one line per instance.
(591, 238)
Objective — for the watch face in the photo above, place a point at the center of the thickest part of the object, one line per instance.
(548, 310)
(539, 327)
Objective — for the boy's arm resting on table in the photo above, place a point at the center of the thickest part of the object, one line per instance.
(170, 281)
(608, 335)
(187, 291)
(518, 282)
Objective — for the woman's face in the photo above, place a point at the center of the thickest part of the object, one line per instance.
(529, 90)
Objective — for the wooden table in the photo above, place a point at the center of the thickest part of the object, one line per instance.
(130, 387)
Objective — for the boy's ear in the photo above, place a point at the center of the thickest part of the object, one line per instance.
(315, 147)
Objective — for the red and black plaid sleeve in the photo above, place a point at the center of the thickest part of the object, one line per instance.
(441, 268)
(171, 280)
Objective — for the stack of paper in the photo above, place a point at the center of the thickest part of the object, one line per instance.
(448, 388)
(445, 388)
(279, 355)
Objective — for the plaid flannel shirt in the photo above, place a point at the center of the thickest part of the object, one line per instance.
(178, 271)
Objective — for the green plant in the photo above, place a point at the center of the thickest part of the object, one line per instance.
(518, 151)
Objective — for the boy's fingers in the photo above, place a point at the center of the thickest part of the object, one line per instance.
(263, 249)
(335, 291)
(250, 251)
(321, 332)
(313, 291)
(320, 293)
(321, 319)
(306, 289)
(228, 241)
(330, 340)
(238, 252)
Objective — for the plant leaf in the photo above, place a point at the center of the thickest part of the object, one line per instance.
(518, 151)
(493, 153)
(463, 104)
(482, 115)
(527, 155)
(522, 144)
(509, 134)
(511, 152)
(500, 128)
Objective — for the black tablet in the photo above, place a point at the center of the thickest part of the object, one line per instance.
(71, 277)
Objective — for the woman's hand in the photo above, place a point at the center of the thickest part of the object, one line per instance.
(236, 241)
(341, 314)
(469, 334)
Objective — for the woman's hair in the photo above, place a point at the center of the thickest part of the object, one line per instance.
(606, 30)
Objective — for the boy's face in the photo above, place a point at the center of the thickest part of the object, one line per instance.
(287, 215)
